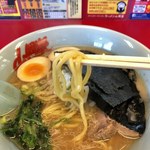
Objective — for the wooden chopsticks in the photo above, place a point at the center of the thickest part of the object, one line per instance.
(116, 61)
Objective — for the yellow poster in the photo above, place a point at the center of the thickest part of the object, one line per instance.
(9, 11)
(107, 6)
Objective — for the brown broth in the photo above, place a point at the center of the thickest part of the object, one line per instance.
(62, 138)
(63, 135)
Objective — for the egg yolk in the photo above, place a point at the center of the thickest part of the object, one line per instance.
(33, 69)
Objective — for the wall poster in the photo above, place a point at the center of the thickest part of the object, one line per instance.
(107, 8)
(141, 9)
(9, 9)
(51, 9)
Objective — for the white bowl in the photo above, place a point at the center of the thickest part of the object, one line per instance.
(82, 36)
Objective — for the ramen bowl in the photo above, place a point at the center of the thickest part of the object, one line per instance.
(36, 43)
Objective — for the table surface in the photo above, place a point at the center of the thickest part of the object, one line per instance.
(12, 29)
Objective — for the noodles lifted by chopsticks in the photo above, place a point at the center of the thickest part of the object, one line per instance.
(77, 94)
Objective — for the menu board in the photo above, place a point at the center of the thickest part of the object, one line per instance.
(9, 9)
(51, 9)
(107, 8)
(141, 9)
(54, 9)
(32, 9)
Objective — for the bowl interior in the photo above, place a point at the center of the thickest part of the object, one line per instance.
(78, 35)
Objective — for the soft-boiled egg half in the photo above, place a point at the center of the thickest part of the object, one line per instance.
(33, 69)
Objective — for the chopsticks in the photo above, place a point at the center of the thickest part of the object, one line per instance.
(116, 61)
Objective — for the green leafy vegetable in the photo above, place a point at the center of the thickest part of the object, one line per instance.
(27, 129)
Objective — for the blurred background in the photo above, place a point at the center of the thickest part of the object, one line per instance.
(19, 17)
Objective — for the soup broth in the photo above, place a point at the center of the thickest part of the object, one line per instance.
(63, 129)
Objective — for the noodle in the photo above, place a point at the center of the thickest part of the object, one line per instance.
(73, 122)
(77, 92)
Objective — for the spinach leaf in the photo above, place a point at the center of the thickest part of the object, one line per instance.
(27, 129)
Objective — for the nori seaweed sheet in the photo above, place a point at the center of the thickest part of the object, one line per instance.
(113, 85)
(116, 94)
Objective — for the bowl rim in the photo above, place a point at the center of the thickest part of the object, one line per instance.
(73, 26)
